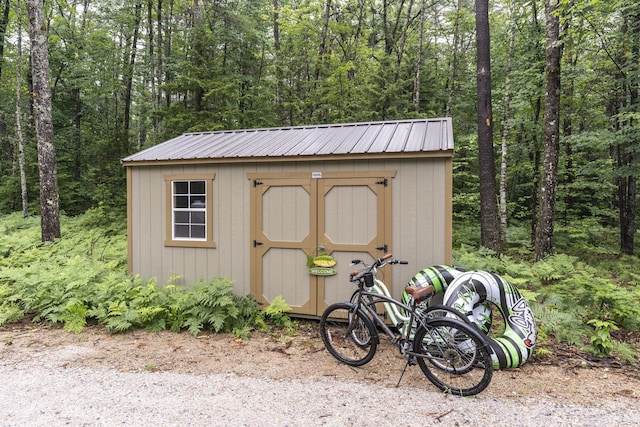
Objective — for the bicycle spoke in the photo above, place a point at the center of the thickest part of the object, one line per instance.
(454, 357)
(348, 335)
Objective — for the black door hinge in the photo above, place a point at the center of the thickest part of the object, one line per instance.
(384, 182)
(256, 183)
(383, 248)
(256, 243)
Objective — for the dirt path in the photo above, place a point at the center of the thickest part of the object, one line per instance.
(302, 357)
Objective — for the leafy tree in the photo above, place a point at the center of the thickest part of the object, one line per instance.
(128, 75)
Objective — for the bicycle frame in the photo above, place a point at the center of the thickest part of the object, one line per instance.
(379, 293)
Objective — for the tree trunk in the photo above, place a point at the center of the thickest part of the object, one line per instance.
(551, 130)
(4, 21)
(453, 75)
(418, 69)
(7, 152)
(160, 73)
(276, 25)
(489, 227)
(403, 37)
(535, 152)
(129, 64)
(19, 136)
(41, 95)
(322, 49)
(628, 150)
(505, 133)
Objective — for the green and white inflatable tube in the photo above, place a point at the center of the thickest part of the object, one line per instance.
(477, 288)
(440, 277)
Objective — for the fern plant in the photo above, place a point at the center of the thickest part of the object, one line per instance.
(572, 301)
(276, 314)
(212, 304)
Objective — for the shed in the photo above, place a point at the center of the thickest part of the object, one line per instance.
(251, 205)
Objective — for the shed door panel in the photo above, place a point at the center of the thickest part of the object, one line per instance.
(351, 222)
(285, 233)
(344, 217)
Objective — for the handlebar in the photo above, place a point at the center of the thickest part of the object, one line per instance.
(379, 262)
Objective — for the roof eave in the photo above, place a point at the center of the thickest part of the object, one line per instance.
(299, 158)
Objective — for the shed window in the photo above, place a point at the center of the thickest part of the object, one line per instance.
(189, 211)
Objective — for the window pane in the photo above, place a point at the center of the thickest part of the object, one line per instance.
(181, 202)
(197, 218)
(197, 231)
(180, 187)
(181, 217)
(198, 202)
(197, 187)
(181, 231)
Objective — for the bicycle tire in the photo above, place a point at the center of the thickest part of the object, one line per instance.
(453, 356)
(440, 311)
(348, 334)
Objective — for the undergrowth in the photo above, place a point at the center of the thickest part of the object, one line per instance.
(580, 296)
(82, 278)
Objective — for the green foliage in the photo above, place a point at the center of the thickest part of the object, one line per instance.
(574, 301)
(276, 314)
(211, 304)
(601, 338)
(82, 278)
(556, 318)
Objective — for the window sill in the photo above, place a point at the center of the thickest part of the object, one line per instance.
(190, 244)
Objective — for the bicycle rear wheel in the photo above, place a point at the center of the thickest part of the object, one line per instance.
(453, 356)
(348, 334)
(439, 311)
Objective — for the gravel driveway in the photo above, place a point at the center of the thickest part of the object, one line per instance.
(51, 391)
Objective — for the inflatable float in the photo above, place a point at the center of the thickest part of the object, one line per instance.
(440, 276)
(472, 294)
(474, 288)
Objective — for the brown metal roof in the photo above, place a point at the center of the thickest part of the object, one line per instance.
(288, 143)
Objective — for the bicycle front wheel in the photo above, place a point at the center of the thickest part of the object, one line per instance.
(453, 356)
(348, 334)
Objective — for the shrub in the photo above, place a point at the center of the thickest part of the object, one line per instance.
(82, 278)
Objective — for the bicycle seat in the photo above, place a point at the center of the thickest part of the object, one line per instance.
(420, 292)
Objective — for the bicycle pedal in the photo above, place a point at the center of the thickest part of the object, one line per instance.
(412, 361)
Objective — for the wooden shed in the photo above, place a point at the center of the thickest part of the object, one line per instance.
(250, 205)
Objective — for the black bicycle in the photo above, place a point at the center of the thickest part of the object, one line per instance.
(452, 354)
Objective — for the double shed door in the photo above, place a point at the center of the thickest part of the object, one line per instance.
(345, 215)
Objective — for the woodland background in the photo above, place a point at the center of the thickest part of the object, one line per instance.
(125, 75)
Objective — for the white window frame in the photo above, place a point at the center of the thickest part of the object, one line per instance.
(172, 210)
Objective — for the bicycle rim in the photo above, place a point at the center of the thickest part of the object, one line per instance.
(348, 334)
(453, 356)
(439, 311)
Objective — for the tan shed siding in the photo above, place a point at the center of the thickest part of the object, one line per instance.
(150, 257)
(232, 225)
(147, 214)
(420, 213)
(420, 217)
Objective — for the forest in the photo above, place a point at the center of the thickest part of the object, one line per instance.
(126, 75)
(561, 108)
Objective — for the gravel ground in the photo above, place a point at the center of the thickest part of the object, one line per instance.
(51, 391)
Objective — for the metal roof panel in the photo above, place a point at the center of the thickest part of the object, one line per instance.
(409, 136)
